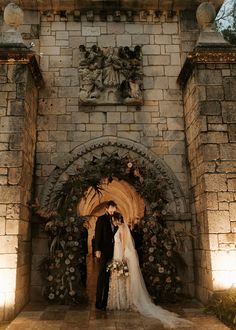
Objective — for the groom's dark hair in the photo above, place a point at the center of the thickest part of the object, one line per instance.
(111, 203)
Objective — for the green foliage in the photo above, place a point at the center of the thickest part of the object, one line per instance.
(158, 267)
(223, 305)
(62, 269)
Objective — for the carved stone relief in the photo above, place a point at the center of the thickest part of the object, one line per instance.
(110, 75)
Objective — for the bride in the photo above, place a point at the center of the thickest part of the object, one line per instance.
(130, 293)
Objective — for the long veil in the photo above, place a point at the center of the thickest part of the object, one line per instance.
(139, 295)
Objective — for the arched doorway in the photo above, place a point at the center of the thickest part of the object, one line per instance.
(87, 162)
(129, 202)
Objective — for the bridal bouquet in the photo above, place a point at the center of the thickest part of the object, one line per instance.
(120, 268)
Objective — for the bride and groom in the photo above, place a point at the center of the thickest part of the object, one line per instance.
(113, 241)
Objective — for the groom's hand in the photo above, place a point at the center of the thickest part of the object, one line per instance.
(98, 254)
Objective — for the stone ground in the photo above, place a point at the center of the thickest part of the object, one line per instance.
(37, 316)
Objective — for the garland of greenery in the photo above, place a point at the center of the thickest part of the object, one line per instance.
(62, 270)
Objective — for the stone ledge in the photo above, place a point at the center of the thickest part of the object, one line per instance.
(206, 55)
(19, 54)
(110, 4)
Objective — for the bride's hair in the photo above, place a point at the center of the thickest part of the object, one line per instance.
(118, 216)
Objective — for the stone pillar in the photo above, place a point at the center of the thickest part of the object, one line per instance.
(208, 79)
(19, 79)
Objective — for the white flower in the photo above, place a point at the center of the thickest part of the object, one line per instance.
(51, 296)
(67, 261)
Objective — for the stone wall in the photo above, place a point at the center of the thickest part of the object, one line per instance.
(209, 109)
(18, 104)
(63, 124)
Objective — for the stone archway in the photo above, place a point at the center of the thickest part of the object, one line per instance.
(107, 146)
(87, 154)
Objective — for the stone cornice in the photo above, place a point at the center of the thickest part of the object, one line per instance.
(19, 54)
(205, 55)
(134, 5)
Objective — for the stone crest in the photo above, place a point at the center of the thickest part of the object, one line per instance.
(110, 75)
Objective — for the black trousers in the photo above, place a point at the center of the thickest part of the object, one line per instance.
(102, 283)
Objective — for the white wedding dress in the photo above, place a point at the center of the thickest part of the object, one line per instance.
(130, 293)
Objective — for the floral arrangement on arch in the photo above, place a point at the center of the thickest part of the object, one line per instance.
(62, 269)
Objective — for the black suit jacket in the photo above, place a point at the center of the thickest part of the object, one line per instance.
(104, 237)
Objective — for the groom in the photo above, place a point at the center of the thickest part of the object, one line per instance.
(104, 245)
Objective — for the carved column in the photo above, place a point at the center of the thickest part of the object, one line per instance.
(19, 79)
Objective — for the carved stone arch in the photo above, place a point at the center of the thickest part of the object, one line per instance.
(107, 146)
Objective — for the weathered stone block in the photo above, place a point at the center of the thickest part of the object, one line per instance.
(134, 28)
(113, 117)
(8, 260)
(229, 84)
(210, 152)
(154, 29)
(108, 41)
(211, 108)
(215, 182)
(12, 227)
(141, 39)
(176, 124)
(170, 28)
(153, 71)
(232, 211)
(58, 26)
(2, 226)
(159, 60)
(214, 92)
(151, 49)
(153, 95)
(127, 118)
(60, 61)
(97, 117)
(16, 108)
(109, 129)
(217, 127)
(135, 136)
(228, 152)
(232, 132)
(173, 135)
(214, 137)
(229, 112)
(11, 158)
(143, 117)
(233, 226)
(177, 147)
(91, 31)
(218, 222)
(231, 184)
(114, 28)
(172, 70)
(52, 105)
(14, 175)
(209, 77)
(171, 109)
(8, 244)
(162, 39)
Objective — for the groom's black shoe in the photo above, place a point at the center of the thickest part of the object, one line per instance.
(98, 306)
(101, 307)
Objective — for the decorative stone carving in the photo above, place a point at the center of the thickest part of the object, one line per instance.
(206, 19)
(206, 15)
(13, 17)
(110, 75)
